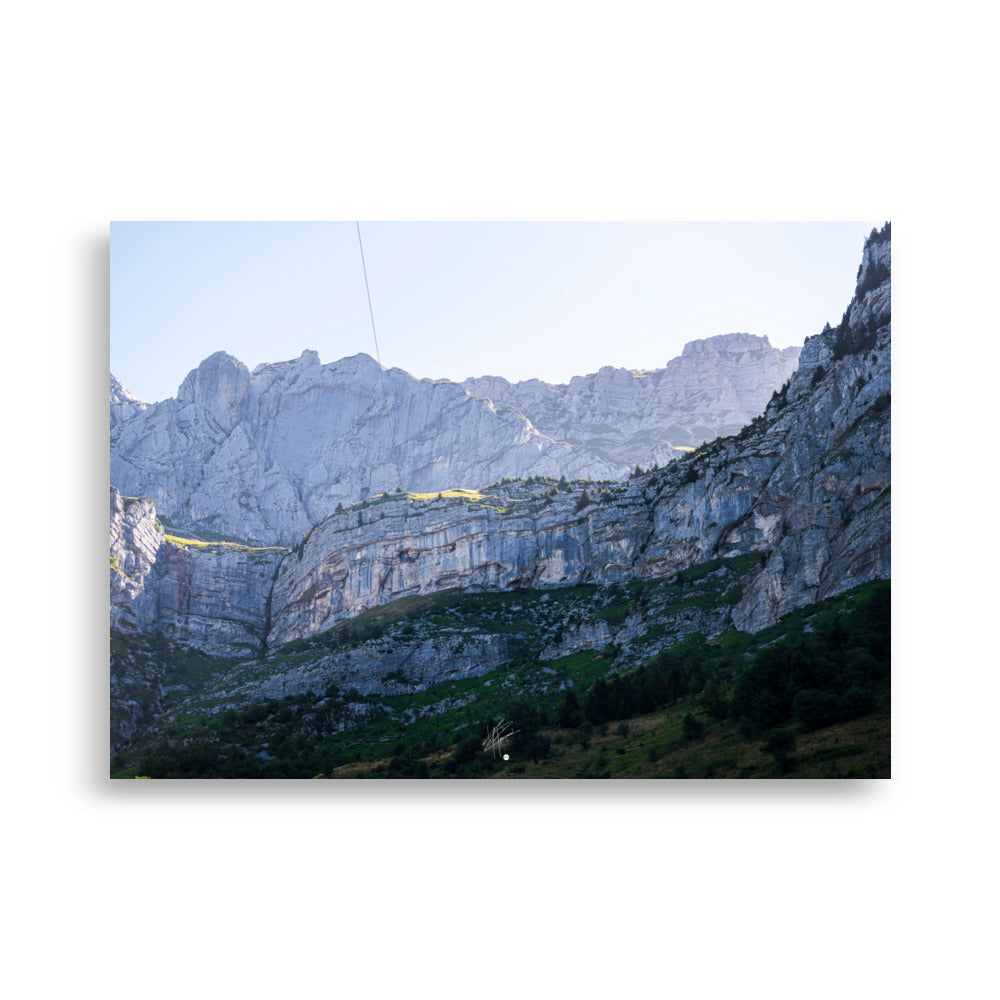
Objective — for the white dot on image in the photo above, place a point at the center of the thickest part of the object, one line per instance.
(506, 756)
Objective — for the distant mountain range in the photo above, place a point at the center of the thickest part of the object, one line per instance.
(264, 456)
(642, 418)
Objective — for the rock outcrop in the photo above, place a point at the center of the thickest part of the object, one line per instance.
(386, 667)
(135, 540)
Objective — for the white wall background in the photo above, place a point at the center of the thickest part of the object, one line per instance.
(518, 111)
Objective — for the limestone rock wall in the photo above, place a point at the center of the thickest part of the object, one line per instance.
(400, 547)
(263, 456)
(715, 387)
(212, 597)
(135, 540)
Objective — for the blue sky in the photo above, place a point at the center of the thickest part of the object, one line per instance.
(454, 299)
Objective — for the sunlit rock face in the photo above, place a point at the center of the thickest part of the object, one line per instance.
(135, 539)
(401, 547)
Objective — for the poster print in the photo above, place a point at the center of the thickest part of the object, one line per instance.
(543, 515)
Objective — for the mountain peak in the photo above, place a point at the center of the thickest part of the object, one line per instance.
(123, 403)
(727, 343)
(119, 394)
(220, 383)
(356, 364)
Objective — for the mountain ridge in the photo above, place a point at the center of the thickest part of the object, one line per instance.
(716, 386)
(236, 452)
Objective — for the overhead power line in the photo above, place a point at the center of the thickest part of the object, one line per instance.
(378, 358)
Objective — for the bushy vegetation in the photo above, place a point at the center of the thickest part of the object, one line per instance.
(846, 338)
(833, 672)
(874, 277)
(697, 708)
(838, 670)
(779, 398)
(756, 427)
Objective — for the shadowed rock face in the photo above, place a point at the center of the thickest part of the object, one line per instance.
(264, 456)
(806, 485)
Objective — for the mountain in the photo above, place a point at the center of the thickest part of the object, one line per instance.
(264, 456)
(715, 387)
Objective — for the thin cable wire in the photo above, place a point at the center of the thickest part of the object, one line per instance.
(378, 357)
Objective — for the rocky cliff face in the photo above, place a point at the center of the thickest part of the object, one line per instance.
(715, 387)
(400, 547)
(135, 539)
(806, 485)
(263, 456)
(211, 596)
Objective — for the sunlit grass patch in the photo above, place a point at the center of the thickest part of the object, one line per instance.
(450, 495)
(192, 543)
(196, 543)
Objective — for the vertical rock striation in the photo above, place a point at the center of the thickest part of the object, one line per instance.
(211, 596)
